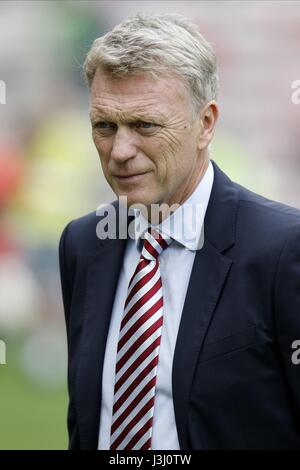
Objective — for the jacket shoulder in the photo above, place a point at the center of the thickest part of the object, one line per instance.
(262, 215)
(80, 234)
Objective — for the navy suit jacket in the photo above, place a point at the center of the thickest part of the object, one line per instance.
(234, 383)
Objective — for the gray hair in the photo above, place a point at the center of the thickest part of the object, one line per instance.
(157, 44)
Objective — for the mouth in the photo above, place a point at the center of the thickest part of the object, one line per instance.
(131, 178)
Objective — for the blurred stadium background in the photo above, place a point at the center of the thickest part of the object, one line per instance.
(49, 170)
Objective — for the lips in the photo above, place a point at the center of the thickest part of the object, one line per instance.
(131, 175)
(132, 179)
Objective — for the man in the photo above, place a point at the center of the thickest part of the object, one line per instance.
(172, 343)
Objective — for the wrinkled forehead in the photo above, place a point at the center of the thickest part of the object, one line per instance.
(141, 92)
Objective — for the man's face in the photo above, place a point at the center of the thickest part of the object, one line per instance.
(145, 137)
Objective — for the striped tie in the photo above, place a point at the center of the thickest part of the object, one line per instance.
(138, 350)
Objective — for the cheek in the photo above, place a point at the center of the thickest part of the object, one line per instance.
(172, 156)
(103, 147)
(102, 144)
(165, 150)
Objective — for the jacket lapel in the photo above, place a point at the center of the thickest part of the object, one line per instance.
(102, 276)
(208, 276)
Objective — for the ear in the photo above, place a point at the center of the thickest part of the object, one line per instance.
(208, 118)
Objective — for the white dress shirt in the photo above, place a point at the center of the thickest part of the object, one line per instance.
(176, 264)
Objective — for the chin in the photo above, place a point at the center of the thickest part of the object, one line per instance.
(136, 198)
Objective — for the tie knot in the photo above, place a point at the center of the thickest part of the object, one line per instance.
(154, 243)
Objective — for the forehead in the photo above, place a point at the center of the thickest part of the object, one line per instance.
(137, 93)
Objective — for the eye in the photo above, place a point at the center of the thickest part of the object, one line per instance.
(101, 124)
(147, 127)
(104, 126)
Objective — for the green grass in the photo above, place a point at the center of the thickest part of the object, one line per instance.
(31, 416)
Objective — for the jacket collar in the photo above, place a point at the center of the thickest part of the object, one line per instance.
(220, 218)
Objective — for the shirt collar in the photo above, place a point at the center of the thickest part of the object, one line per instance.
(185, 224)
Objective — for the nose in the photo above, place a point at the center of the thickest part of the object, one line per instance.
(124, 146)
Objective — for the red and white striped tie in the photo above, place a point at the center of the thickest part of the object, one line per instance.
(138, 350)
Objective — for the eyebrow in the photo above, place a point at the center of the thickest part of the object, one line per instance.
(137, 116)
